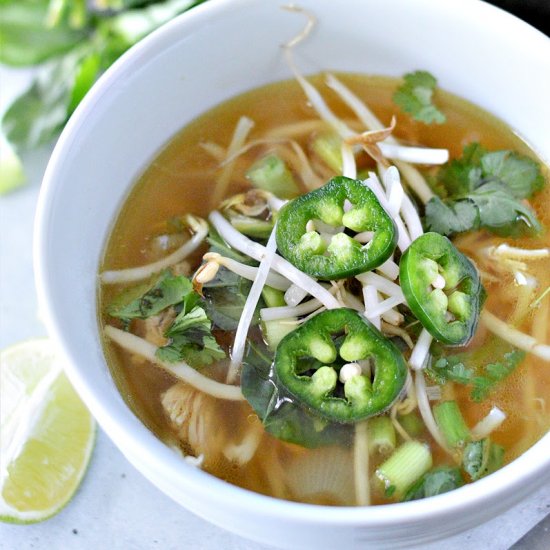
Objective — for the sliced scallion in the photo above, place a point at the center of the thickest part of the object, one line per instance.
(451, 423)
(272, 174)
(411, 423)
(405, 466)
(328, 147)
(274, 331)
(253, 227)
(273, 297)
(381, 435)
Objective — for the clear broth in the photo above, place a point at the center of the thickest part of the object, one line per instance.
(181, 179)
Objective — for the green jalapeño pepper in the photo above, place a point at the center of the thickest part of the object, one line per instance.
(442, 288)
(334, 254)
(310, 364)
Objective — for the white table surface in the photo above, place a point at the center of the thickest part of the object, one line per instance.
(116, 508)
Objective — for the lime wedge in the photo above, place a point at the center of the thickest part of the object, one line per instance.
(47, 434)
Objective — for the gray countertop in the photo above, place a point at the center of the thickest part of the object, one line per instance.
(116, 507)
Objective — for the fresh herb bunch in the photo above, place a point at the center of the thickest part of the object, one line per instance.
(72, 42)
(485, 189)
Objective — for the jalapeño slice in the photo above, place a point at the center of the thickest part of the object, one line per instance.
(309, 361)
(442, 288)
(343, 207)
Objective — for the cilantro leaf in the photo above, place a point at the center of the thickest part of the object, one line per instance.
(190, 334)
(521, 175)
(500, 212)
(435, 482)
(452, 368)
(191, 340)
(146, 300)
(481, 387)
(493, 373)
(490, 206)
(460, 176)
(482, 368)
(415, 98)
(485, 190)
(448, 217)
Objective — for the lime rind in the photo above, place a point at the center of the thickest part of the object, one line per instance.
(47, 434)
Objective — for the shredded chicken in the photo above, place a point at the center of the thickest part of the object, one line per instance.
(153, 328)
(194, 416)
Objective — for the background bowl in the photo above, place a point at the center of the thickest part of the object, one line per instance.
(216, 51)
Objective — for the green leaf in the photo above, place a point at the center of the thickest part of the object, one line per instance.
(191, 337)
(481, 458)
(452, 368)
(481, 386)
(218, 245)
(435, 482)
(449, 218)
(485, 190)
(146, 300)
(124, 29)
(500, 212)
(482, 368)
(37, 115)
(415, 97)
(460, 176)
(86, 74)
(490, 205)
(119, 5)
(521, 175)
(257, 382)
(25, 37)
(495, 372)
(225, 297)
(197, 347)
(73, 13)
(189, 318)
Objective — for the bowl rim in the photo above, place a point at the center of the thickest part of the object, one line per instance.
(122, 430)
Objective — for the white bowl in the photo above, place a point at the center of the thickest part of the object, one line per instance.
(213, 52)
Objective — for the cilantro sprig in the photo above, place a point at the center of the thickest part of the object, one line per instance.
(71, 43)
(485, 190)
(415, 97)
(190, 333)
(191, 339)
(470, 368)
(148, 299)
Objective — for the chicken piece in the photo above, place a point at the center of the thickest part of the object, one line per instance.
(195, 416)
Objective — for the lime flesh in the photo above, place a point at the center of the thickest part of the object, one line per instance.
(47, 434)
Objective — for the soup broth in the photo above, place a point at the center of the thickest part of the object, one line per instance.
(185, 178)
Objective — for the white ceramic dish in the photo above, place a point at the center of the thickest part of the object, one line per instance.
(215, 51)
